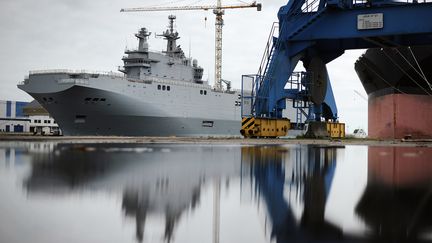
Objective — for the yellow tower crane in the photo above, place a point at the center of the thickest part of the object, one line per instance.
(219, 11)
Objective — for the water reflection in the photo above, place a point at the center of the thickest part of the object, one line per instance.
(310, 175)
(190, 193)
(396, 204)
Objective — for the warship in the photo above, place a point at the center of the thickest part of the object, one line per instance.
(156, 94)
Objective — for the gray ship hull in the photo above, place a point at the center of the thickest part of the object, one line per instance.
(160, 94)
(124, 116)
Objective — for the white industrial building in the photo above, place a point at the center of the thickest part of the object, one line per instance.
(12, 118)
(25, 117)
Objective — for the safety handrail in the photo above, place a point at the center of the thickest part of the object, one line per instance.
(68, 71)
(268, 49)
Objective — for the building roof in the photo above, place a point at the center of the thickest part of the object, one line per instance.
(35, 109)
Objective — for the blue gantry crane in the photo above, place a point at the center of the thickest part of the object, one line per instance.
(316, 32)
(310, 180)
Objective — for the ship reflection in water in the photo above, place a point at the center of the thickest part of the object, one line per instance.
(397, 204)
(221, 193)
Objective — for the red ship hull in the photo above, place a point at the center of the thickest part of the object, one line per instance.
(396, 116)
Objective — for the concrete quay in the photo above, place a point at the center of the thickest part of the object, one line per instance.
(213, 140)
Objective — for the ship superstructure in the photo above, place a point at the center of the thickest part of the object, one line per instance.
(158, 94)
(172, 63)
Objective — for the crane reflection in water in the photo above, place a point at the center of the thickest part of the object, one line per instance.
(291, 186)
(309, 175)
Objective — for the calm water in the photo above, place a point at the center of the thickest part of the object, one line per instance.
(224, 193)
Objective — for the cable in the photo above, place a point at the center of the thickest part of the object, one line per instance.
(409, 76)
(406, 60)
(172, 2)
(415, 59)
(383, 79)
(421, 70)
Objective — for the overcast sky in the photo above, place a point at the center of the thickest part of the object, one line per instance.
(92, 35)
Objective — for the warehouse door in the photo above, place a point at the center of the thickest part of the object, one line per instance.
(18, 128)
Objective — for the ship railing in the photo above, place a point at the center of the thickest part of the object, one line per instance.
(23, 82)
(184, 83)
(164, 81)
(239, 90)
(149, 50)
(68, 71)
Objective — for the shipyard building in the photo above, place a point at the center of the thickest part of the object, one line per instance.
(26, 117)
(12, 118)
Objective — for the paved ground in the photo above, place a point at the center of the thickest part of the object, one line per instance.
(191, 140)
